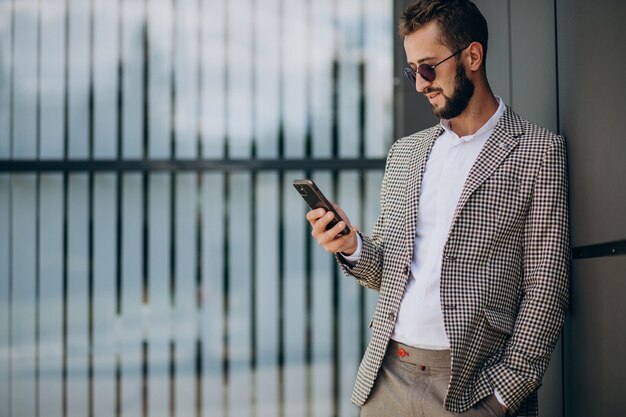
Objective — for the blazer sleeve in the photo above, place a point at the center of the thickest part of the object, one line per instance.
(544, 285)
(368, 269)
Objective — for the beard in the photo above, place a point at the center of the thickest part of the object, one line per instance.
(460, 98)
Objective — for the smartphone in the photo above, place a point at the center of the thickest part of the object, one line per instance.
(316, 199)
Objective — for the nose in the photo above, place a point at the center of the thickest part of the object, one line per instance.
(421, 84)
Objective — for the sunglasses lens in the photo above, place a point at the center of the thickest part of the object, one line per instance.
(427, 72)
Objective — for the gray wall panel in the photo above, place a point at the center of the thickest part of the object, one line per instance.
(595, 339)
(498, 57)
(533, 62)
(592, 107)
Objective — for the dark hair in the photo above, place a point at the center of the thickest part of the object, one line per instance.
(460, 22)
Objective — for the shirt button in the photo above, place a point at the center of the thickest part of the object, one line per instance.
(406, 269)
(391, 317)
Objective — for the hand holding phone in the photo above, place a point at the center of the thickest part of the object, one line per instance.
(325, 222)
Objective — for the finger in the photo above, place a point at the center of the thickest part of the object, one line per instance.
(332, 233)
(339, 244)
(342, 214)
(313, 215)
(320, 225)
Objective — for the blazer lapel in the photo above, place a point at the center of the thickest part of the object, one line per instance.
(501, 142)
(417, 165)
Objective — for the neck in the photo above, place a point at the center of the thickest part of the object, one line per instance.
(481, 107)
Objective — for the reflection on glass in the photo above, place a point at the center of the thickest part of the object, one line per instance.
(163, 293)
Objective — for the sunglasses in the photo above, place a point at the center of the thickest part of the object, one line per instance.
(427, 71)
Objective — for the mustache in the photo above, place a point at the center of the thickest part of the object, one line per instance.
(429, 90)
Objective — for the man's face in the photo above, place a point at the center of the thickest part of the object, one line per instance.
(450, 92)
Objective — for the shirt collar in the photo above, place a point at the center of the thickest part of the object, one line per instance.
(487, 127)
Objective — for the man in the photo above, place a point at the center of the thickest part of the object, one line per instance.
(470, 252)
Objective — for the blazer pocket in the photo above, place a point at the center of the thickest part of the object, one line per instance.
(500, 320)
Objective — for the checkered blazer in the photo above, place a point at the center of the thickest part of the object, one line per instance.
(504, 272)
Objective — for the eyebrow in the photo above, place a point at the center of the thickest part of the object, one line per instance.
(428, 58)
(422, 60)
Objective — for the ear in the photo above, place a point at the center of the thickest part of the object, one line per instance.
(475, 56)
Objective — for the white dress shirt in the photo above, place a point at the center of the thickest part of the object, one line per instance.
(420, 319)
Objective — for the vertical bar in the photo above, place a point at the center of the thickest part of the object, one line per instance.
(5, 301)
(254, 272)
(334, 295)
(132, 322)
(322, 45)
(37, 214)
(78, 61)
(349, 54)
(104, 293)
(77, 295)
(159, 328)
(294, 118)
(322, 55)
(6, 77)
(173, 152)
(159, 78)
(294, 89)
(172, 280)
(105, 77)
(172, 80)
(295, 301)
(267, 77)
(239, 93)
(184, 77)
(64, 381)
(281, 291)
(213, 92)
(226, 363)
(253, 208)
(132, 88)
(51, 295)
(239, 293)
(24, 80)
(378, 38)
(50, 217)
(52, 79)
(213, 256)
(348, 309)
(198, 377)
(266, 292)
(322, 335)
(145, 84)
(335, 299)
(184, 309)
(23, 273)
(91, 152)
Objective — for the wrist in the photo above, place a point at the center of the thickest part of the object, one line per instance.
(354, 245)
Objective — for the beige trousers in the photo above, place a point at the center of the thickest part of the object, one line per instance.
(413, 382)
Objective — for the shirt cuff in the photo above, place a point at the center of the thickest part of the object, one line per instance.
(500, 400)
(354, 258)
